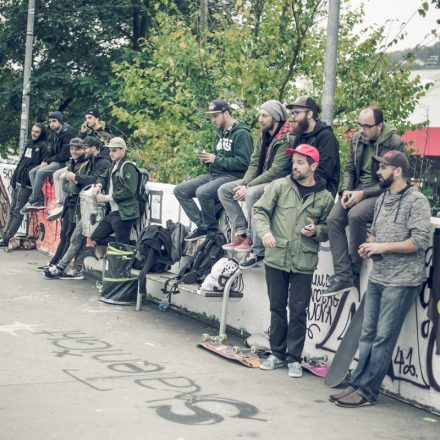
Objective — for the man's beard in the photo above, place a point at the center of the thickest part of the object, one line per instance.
(301, 127)
(268, 128)
(298, 177)
(386, 183)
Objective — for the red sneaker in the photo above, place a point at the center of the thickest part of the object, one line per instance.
(238, 239)
(245, 246)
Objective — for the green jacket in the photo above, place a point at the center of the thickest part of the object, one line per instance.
(233, 149)
(282, 211)
(124, 191)
(276, 162)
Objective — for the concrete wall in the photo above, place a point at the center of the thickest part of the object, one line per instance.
(415, 370)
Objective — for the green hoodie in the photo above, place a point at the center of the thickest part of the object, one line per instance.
(233, 150)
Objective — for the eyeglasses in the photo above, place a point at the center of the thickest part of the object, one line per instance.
(295, 113)
(365, 126)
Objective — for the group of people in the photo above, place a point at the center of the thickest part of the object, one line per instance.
(287, 185)
(75, 160)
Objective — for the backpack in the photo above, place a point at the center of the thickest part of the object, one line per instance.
(142, 192)
(219, 276)
(199, 266)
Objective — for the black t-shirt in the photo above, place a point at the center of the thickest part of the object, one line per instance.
(305, 190)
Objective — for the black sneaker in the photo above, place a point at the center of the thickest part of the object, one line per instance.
(4, 243)
(336, 286)
(52, 273)
(196, 234)
(71, 274)
(251, 260)
(43, 268)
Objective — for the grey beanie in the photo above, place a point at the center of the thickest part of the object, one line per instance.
(56, 115)
(275, 109)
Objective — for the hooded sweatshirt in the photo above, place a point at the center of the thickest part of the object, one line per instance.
(233, 150)
(32, 156)
(60, 148)
(324, 140)
(398, 217)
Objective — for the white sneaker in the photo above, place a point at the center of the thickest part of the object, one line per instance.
(55, 213)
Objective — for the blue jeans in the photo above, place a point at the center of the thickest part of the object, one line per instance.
(385, 310)
(205, 188)
(37, 176)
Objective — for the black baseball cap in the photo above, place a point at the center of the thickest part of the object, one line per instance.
(94, 112)
(218, 106)
(394, 158)
(91, 141)
(305, 102)
(76, 142)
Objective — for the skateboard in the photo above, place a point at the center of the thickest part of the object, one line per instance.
(316, 365)
(244, 355)
(347, 349)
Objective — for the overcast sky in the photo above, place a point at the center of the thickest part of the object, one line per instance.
(379, 11)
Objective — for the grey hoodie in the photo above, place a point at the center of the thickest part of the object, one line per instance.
(398, 217)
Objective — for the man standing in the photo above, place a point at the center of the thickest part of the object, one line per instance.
(96, 164)
(233, 149)
(400, 236)
(32, 156)
(360, 189)
(290, 219)
(117, 186)
(59, 154)
(269, 161)
(309, 130)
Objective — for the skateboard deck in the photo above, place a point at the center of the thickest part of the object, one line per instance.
(344, 355)
(245, 356)
(316, 365)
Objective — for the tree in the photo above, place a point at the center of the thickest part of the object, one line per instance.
(257, 55)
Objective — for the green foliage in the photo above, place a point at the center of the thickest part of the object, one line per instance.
(256, 56)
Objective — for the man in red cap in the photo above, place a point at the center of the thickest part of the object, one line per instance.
(290, 218)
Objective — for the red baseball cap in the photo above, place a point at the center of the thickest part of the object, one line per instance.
(305, 150)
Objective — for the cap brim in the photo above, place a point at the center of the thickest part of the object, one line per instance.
(381, 160)
(290, 106)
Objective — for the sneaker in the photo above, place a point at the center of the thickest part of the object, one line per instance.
(245, 246)
(24, 210)
(196, 234)
(53, 272)
(337, 286)
(354, 400)
(295, 369)
(36, 206)
(237, 241)
(272, 362)
(344, 393)
(55, 213)
(4, 243)
(45, 267)
(251, 260)
(71, 274)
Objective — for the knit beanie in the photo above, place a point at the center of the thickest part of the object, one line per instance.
(275, 109)
(56, 115)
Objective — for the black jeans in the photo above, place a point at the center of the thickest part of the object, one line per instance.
(19, 197)
(293, 290)
(110, 224)
(67, 227)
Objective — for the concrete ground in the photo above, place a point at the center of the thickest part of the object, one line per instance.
(73, 368)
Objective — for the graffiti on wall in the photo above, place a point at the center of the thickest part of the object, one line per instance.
(4, 204)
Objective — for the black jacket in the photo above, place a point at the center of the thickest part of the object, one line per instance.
(34, 153)
(102, 136)
(324, 140)
(60, 149)
(95, 166)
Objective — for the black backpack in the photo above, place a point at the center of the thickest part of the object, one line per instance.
(199, 265)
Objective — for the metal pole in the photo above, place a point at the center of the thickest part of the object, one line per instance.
(203, 18)
(24, 124)
(331, 57)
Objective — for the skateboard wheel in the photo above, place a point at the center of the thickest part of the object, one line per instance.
(205, 337)
(223, 337)
(254, 349)
(236, 349)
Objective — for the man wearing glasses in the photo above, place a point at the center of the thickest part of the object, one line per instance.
(309, 130)
(360, 189)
